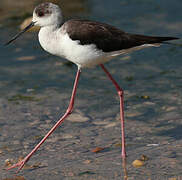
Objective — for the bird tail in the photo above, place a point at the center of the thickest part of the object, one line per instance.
(152, 39)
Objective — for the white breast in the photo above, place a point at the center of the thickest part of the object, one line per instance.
(82, 55)
(57, 42)
(49, 41)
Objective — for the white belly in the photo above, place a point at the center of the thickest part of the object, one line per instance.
(58, 43)
(82, 55)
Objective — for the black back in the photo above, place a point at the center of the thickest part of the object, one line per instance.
(106, 37)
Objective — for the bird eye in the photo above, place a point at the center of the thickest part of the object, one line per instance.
(40, 13)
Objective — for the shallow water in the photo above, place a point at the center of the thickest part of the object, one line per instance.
(36, 87)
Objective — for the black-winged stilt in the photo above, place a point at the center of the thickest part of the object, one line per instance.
(85, 43)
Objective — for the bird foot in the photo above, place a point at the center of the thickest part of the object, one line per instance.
(19, 164)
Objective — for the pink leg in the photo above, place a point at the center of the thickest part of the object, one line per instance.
(120, 93)
(67, 113)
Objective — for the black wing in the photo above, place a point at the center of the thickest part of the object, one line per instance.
(106, 37)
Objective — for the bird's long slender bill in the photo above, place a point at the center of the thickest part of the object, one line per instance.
(20, 33)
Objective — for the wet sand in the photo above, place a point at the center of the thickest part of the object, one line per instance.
(36, 87)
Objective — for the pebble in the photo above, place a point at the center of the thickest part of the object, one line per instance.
(133, 114)
(66, 136)
(77, 117)
(148, 103)
(100, 122)
(87, 161)
(35, 122)
(30, 90)
(149, 145)
(170, 108)
(111, 125)
(25, 58)
(16, 142)
(137, 163)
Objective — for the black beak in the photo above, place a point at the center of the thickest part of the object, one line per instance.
(20, 33)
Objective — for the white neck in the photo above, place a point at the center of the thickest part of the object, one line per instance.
(48, 38)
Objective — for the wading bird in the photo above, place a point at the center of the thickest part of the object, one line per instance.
(85, 43)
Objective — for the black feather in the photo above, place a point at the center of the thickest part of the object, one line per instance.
(106, 37)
